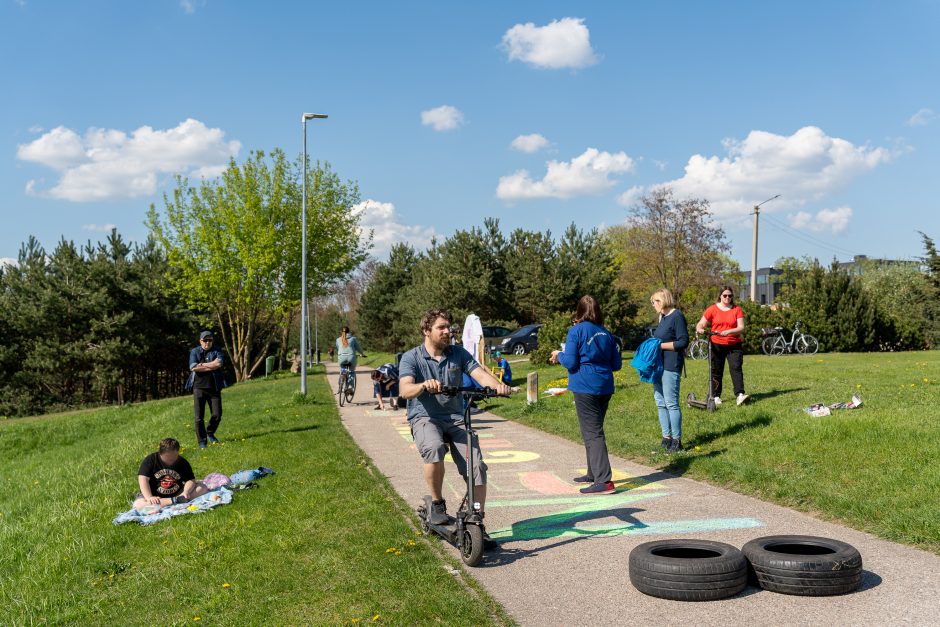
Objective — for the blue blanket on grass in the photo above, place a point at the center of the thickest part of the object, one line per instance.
(214, 498)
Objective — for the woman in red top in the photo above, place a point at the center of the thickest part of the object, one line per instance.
(727, 321)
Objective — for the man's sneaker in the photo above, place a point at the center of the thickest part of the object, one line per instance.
(584, 479)
(437, 515)
(742, 398)
(202, 445)
(717, 401)
(213, 440)
(666, 443)
(675, 446)
(599, 488)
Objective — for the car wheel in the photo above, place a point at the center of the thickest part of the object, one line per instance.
(804, 565)
(518, 349)
(688, 570)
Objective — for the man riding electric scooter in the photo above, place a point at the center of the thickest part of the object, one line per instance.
(436, 419)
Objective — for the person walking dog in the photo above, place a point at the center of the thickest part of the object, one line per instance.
(206, 381)
(591, 357)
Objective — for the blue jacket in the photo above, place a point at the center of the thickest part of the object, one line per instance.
(200, 356)
(648, 360)
(672, 328)
(507, 371)
(591, 357)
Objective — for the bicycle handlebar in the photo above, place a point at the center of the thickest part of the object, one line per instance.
(454, 390)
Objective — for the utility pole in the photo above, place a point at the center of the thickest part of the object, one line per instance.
(754, 249)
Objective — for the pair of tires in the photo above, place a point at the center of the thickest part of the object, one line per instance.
(702, 570)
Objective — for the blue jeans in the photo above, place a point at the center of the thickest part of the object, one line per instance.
(666, 393)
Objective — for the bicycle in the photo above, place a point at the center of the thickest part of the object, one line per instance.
(698, 349)
(775, 344)
(347, 384)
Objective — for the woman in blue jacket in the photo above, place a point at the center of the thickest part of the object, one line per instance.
(674, 335)
(591, 357)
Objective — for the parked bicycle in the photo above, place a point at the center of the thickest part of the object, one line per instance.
(698, 349)
(774, 342)
(347, 385)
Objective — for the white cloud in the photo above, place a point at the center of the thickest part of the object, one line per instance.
(923, 117)
(188, 6)
(530, 143)
(443, 118)
(382, 220)
(835, 221)
(588, 173)
(660, 165)
(106, 164)
(564, 43)
(805, 166)
(102, 228)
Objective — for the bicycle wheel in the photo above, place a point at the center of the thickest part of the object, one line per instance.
(698, 350)
(342, 389)
(773, 345)
(807, 344)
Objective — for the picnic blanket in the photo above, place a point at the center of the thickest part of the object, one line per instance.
(221, 495)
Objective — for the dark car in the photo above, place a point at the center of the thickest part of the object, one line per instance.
(494, 335)
(520, 341)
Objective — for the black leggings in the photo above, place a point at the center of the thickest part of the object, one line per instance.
(734, 353)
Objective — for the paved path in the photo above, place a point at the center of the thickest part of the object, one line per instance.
(563, 557)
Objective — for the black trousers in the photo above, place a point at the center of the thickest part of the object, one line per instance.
(734, 354)
(592, 409)
(202, 396)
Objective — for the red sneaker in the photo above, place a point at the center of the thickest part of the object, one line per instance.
(599, 488)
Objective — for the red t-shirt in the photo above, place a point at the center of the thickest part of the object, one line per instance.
(724, 321)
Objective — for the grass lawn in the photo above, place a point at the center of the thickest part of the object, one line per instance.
(876, 468)
(309, 546)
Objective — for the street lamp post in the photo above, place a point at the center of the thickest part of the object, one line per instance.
(303, 260)
(754, 249)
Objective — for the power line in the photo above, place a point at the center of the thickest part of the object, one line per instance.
(807, 238)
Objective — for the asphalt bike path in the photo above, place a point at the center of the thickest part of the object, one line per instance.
(563, 556)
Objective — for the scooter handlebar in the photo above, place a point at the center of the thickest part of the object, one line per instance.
(487, 392)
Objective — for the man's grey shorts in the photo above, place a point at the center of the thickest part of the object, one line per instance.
(434, 437)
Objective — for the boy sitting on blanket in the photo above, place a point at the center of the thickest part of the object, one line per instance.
(165, 478)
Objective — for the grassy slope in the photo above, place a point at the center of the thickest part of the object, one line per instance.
(307, 547)
(876, 468)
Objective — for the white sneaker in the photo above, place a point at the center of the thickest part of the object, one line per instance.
(742, 398)
(717, 401)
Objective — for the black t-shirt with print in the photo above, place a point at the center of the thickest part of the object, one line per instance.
(166, 480)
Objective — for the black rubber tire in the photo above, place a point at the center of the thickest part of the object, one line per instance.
(518, 349)
(342, 396)
(472, 550)
(688, 570)
(804, 565)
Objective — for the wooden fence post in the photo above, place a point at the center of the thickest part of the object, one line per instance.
(532, 388)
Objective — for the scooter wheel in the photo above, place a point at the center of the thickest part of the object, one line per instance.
(472, 550)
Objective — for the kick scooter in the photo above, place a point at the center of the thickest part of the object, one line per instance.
(709, 403)
(465, 530)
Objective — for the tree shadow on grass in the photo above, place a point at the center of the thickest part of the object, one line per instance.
(680, 464)
(261, 434)
(759, 396)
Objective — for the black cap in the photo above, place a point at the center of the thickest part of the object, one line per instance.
(205, 334)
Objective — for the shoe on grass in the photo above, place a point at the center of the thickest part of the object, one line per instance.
(675, 446)
(202, 445)
(437, 515)
(599, 488)
(742, 398)
(717, 401)
(666, 443)
(213, 440)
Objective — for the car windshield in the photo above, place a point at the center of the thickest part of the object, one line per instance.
(529, 328)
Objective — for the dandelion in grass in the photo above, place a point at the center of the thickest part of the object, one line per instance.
(375, 618)
(390, 549)
(226, 585)
(196, 618)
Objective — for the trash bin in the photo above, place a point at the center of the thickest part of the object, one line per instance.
(269, 366)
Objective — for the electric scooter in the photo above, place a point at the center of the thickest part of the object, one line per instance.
(709, 403)
(465, 530)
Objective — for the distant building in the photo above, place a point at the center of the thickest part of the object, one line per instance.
(768, 286)
(859, 262)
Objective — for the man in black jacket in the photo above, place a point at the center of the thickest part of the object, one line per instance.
(206, 382)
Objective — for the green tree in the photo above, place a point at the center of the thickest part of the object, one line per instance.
(377, 307)
(235, 246)
(532, 270)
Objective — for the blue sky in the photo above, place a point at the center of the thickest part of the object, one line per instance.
(834, 105)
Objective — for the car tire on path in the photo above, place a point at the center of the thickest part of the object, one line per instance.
(804, 565)
(688, 570)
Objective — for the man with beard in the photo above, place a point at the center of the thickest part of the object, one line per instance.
(436, 420)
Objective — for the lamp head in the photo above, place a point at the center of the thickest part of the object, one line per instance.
(314, 116)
